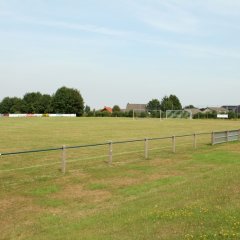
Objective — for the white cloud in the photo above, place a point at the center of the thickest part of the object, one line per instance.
(186, 16)
(166, 16)
(221, 7)
(82, 27)
(195, 50)
(66, 25)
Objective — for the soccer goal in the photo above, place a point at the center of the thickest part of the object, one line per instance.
(139, 113)
(178, 114)
(156, 114)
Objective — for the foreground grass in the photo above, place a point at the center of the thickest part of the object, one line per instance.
(193, 194)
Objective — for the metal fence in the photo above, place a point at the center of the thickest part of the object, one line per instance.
(111, 151)
(225, 136)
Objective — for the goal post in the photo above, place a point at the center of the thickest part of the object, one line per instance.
(139, 113)
(170, 114)
(156, 114)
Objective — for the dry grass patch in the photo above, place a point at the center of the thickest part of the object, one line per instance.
(77, 192)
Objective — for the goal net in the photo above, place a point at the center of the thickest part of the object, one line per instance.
(178, 114)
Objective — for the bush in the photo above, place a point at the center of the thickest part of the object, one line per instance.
(118, 114)
(103, 114)
(90, 114)
(143, 114)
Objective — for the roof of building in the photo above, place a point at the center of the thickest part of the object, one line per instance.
(138, 107)
(230, 107)
(216, 109)
(108, 109)
(193, 110)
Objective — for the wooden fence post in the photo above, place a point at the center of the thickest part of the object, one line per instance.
(110, 152)
(174, 143)
(64, 159)
(195, 140)
(146, 148)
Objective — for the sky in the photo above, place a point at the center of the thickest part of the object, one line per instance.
(119, 52)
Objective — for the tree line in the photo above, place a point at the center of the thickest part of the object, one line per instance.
(69, 100)
(167, 103)
(153, 109)
(64, 100)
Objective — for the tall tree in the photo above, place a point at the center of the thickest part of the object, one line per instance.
(32, 102)
(5, 105)
(116, 108)
(68, 100)
(170, 103)
(87, 109)
(17, 105)
(11, 105)
(153, 105)
(189, 106)
(45, 104)
(166, 104)
(176, 102)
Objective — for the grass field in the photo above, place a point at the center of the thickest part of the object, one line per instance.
(192, 194)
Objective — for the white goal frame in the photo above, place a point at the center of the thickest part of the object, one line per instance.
(135, 111)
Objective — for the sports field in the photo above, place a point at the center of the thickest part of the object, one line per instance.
(190, 194)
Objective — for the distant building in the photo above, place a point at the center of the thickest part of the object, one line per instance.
(215, 109)
(230, 108)
(193, 111)
(136, 107)
(238, 110)
(107, 109)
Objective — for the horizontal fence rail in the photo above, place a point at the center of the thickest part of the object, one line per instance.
(216, 138)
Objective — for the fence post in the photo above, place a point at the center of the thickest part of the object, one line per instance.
(195, 140)
(146, 148)
(110, 152)
(64, 159)
(174, 143)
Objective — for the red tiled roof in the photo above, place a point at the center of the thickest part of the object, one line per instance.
(108, 109)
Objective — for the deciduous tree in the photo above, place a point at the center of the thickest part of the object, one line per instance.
(68, 100)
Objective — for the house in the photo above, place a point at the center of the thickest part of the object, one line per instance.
(193, 111)
(215, 109)
(231, 108)
(136, 107)
(107, 109)
(238, 110)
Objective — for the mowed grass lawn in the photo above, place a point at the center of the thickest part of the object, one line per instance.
(190, 194)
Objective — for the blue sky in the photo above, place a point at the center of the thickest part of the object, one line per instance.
(117, 52)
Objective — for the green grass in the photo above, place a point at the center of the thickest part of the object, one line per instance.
(44, 191)
(192, 194)
(220, 157)
(146, 187)
(96, 186)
